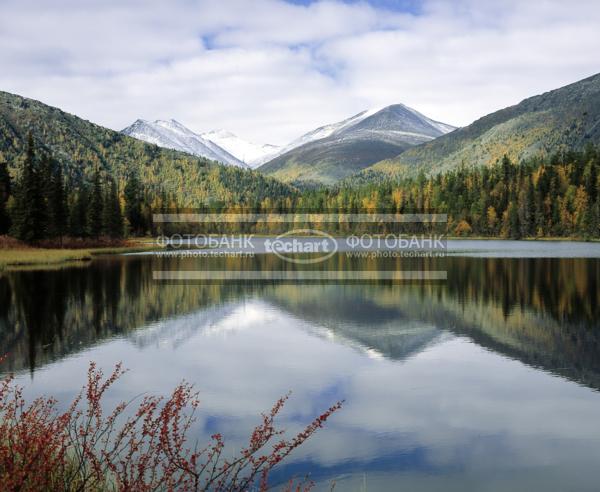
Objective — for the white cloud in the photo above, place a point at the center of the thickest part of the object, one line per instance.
(270, 70)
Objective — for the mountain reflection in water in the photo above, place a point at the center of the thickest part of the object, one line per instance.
(542, 311)
(488, 380)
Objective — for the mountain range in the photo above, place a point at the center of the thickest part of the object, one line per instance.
(394, 140)
(373, 144)
(173, 135)
(323, 155)
(217, 145)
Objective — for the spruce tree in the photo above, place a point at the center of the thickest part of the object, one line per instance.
(78, 213)
(133, 204)
(540, 219)
(514, 231)
(590, 177)
(5, 191)
(94, 217)
(163, 209)
(506, 168)
(112, 219)
(28, 214)
(57, 208)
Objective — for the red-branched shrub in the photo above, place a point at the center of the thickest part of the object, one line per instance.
(132, 448)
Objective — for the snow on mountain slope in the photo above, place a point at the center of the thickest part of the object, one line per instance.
(346, 126)
(391, 123)
(173, 135)
(328, 130)
(332, 152)
(251, 153)
(443, 127)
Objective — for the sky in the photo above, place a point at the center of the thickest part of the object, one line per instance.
(271, 70)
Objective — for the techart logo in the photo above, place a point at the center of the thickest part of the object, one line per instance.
(320, 245)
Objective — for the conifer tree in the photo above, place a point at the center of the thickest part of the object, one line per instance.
(57, 209)
(112, 219)
(28, 219)
(78, 213)
(133, 204)
(5, 191)
(590, 176)
(94, 212)
(506, 170)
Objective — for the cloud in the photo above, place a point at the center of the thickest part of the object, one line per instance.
(458, 405)
(270, 70)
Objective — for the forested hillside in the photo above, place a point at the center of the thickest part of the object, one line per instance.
(541, 197)
(80, 147)
(61, 175)
(560, 120)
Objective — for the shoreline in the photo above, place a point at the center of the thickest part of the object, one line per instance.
(11, 258)
(17, 257)
(548, 239)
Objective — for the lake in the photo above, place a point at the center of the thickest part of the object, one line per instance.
(487, 380)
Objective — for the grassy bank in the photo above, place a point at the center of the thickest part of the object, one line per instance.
(38, 256)
(16, 254)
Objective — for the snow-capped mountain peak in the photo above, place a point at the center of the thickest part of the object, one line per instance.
(332, 152)
(328, 130)
(404, 120)
(173, 125)
(173, 135)
(390, 123)
(252, 154)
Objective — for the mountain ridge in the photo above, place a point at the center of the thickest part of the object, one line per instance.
(332, 152)
(171, 134)
(567, 117)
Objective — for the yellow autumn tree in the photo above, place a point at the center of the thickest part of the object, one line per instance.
(492, 219)
(463, 228)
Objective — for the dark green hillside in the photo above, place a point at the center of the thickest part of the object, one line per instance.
(319, 161)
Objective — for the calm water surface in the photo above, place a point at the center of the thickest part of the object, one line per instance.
(486, 381)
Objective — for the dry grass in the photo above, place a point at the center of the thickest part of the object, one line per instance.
(37, 256)
(7, 242)
(14, 253)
